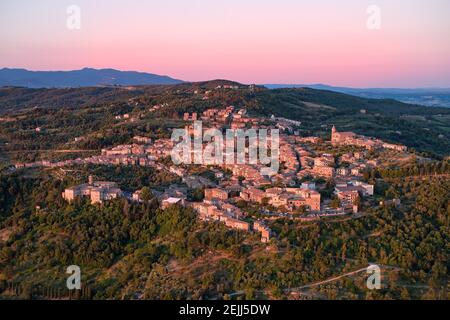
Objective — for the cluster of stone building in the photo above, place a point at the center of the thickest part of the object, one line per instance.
(142, 153)
(348, 192)
(97, 191)
(351, 164)
(216, 207)
(213, 116)
(228, 116)
(288, 198)
(351, 138)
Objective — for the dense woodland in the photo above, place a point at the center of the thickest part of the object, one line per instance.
(137, 250)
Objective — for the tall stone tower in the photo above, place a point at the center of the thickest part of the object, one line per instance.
(333, 134)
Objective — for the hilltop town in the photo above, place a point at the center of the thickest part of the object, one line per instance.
(295, 191)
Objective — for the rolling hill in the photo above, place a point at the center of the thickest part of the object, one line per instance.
(430, 97)
(86, 77)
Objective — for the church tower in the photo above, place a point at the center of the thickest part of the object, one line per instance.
(333, 134)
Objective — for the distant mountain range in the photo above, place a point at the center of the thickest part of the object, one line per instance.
(432, 97)
(89, 77)
(86, 77)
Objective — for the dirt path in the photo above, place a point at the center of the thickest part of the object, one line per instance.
(315, 284)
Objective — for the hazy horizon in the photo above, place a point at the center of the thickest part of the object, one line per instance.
(233, 80)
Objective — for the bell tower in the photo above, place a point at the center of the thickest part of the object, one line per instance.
(333, 134)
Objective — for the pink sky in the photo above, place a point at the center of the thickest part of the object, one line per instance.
(284, 41)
